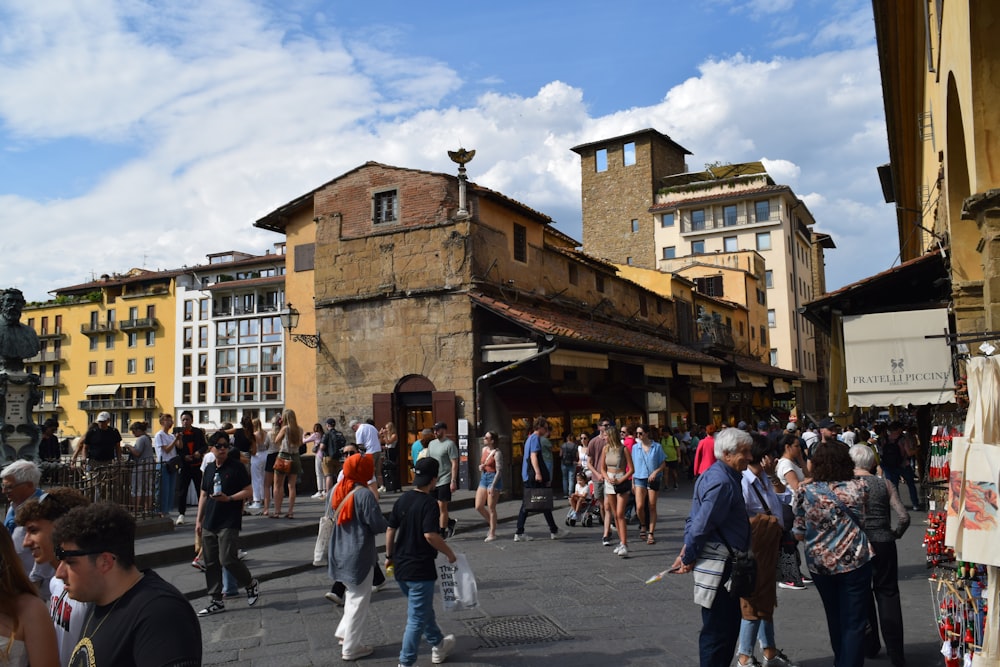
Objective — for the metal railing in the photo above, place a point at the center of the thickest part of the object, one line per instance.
(118, 404)
(137, 324)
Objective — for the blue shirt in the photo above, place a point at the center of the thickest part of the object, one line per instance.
(532, 444)
(766, 489)
(646, 462)
(717, 512)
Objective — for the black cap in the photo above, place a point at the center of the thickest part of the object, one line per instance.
(440, 425)
(827, 423)
(426, 469)
(331, 421)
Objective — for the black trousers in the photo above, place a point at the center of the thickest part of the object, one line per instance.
(187, 475)
(378, 578)
(884, 609)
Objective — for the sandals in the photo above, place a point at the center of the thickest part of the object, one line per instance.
(649, 539)
(290, 515)
(642, 534)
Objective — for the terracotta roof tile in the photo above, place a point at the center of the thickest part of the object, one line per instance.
(578, 329)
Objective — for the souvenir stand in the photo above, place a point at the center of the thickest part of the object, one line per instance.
(963, 540)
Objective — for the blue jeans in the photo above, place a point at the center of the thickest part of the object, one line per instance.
(229, 585)
(720, 628)
(756, 629)
(845, 601)
(569, 478)
(168, 487)
(420, 620)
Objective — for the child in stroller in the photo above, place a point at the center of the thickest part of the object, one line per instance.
(582, 506)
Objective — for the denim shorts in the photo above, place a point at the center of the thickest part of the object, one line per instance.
(640, 482)
(487, 478)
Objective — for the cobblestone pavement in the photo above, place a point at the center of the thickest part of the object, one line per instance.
(565, 602)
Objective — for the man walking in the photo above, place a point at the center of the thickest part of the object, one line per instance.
(191, 446)
(220, 514)
(595, 459)
(445, 452)
(412, 543)
(717, 523)
(535, 475)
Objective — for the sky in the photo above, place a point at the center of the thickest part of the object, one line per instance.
(149, 133)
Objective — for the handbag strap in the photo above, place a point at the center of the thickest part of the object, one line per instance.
(753, 485)
(336, 512)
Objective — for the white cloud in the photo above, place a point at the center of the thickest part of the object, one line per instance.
(234, 118)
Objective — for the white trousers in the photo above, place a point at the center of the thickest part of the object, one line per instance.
(357, 599)
(257, 462)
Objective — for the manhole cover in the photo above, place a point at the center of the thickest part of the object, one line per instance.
(515, 630)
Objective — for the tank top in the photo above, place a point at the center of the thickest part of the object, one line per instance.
(613, 458)
(490, 461)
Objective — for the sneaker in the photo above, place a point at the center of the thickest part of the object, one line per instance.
(334, 598)
(441, 652)
(753, 662)
(556, 535)
(606, 541)
(180, 520)
(256, 505)
(242, 555)
(198, 564)
(451, 527)
(317, 495)
(253, 592)
(362, 652)
(792, 585)
(617, 549)
(623, 551)
(214, 607)
(806, 579)
(490, 538)
(378, 587)
(779, 660)
(381, 489)
(521, 537)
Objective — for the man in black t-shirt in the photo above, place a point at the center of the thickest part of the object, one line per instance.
(220, 516)
(101, 445)
(138, 619)
(191, 447)
(412, 543)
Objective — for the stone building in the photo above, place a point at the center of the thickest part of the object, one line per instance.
(437, 299)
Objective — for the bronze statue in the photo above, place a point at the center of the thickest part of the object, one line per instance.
(17, 341)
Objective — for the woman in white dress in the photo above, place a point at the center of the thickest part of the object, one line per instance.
(26, 632)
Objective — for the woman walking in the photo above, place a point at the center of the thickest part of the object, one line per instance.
(314, 438)
(490, 463)
(288, 439)
(649, 462)
(166, 454)
(617, 470)
(829, 514)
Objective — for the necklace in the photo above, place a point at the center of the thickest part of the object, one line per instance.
(90, 618)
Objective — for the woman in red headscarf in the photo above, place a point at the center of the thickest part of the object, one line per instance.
(357, 519)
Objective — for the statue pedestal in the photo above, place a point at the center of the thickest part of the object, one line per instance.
(19, 435)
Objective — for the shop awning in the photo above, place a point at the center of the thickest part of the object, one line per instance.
(658, 370)
(101, 389)
(579, 359)
(890, 362)
(711, 374)
(688, 369)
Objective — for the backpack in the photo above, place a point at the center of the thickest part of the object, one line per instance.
(333, 443)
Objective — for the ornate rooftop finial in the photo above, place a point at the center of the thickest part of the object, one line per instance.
(461, 157)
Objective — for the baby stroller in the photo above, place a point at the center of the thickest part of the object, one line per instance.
(589, 512)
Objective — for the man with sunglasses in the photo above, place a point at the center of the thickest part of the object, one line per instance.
(137, 618)
(37, 517)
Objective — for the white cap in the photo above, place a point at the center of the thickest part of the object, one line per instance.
(104, 417)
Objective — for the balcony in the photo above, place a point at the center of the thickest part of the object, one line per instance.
(44, 357)
(50, 381)
(721, 222)
(141, 324)
(50, 335)
(47, 406)
(118, 404)
(97, 328)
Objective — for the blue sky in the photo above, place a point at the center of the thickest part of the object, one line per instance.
(140, 133)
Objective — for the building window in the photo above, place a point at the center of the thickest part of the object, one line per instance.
(92, 368)
(771, 318)
(202, 392)
(774, 357)
(270, 358)
(188, 311)
(769, 279)
(669, 252)
(188, 337)
(225, 361)
(709, 286)
(628, 261)
(247, 388)
(270, 330)
(730, 244)
(763, 335)
(628, 154)
(186, 364)
(203, 416)
(224, 390)
(109, 341)
(186, 392)
(132, 366)
(249, 331)
(133, 338)
(729, 215)
(385, 207)
(226, 333)
(249, 358)
(599, 282)
(635, 226)
(150, 338)
(202, 336)
(202, 309)
(762, 211)
(697, 247)
(93, 343)
(698, 219)
(202, 364)
(763, 240)
(150, 365)
(133, 313)
(601, 159)
(270, 389)
(667, 220)
(574, 274)
(109, 367)
(520, 243)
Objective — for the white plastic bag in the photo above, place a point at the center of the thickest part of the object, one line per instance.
(457, 584)
(322, 541)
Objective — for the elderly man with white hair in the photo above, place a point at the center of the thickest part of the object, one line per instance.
(20, 483)
(717, 524)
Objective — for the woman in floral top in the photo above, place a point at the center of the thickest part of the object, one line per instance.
(828, 513)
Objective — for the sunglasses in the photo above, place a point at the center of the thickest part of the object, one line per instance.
(640, 433)
(63, 554)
